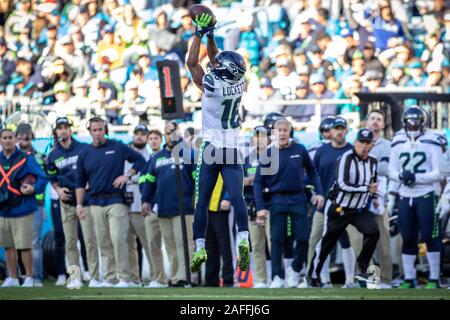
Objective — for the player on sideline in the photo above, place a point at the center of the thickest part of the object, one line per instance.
(414, 163)
(222, 90)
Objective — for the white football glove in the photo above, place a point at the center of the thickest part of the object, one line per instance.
(443, 206)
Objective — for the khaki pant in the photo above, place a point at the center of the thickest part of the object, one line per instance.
(137, 230)
(173, 240)
(154, 241)
(111, 228)
(17, 233)
(384, 248)
(316, 234)
(70, 223)
(260, 238)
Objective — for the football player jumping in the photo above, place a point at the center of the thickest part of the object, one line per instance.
(222, 88)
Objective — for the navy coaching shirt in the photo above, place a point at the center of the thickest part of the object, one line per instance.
(100, 166)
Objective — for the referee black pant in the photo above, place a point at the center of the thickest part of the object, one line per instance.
(337, 222)
(218, 246)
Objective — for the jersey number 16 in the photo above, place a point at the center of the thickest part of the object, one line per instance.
(230, 117)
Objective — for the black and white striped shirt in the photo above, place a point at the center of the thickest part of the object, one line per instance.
(353, 178)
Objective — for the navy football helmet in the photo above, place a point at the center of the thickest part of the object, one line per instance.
(270, 120)
(326, 123)
(414, 121)
(229, 66)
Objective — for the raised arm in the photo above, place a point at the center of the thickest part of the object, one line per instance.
(201, 28)
(193, 65)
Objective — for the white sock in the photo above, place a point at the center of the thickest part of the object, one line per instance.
(287, 263)
(242, 235)
(200, 243)
(408, 266)
(325, 272)
(434, 261)
(349, 259)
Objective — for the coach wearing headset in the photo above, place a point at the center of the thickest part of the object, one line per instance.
(61, 169)
(101, 166)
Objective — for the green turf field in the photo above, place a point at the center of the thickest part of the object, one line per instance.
(50, 292)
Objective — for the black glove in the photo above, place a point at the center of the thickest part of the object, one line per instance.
(408, 178)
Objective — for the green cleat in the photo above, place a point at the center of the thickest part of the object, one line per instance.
(432, 284)
(408, 284)
(244, 255)
(198, 259)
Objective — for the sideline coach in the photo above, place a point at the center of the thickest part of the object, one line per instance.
(101, 166)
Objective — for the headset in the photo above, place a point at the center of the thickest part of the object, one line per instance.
(97, 119)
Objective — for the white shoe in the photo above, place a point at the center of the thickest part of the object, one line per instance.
(74, 284)
(349, 285)
(95, 284)
(327, 285)
(293, 278)
(106, 284)
(61, 280)
(135, 285)
(38, 283)
(260, 285)
(122, 284)
(156, 284)
(385, 285)
(277, 282)
(28, 283)
(11, 283)
(86, 276)
(304, 284)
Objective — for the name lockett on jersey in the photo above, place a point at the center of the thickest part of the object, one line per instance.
(233, 90)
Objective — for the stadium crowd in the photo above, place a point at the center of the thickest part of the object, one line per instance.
(86, 58)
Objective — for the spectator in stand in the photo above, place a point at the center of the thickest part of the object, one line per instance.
(285, 79)
(7, 64)
(418, 77)
(396, 76)
(246, 36)
(318, 90)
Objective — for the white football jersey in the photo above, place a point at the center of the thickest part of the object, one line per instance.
(220, 111)
(420, 157)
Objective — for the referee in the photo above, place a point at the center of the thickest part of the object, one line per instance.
(347, 203)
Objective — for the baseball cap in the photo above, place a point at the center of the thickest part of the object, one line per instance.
(364, 135)
(301, 85)
(108, 28)
(140, 128)
(283, 62)
(339, 122)
(434, 66)
(79, 83)
(62, 121)
(61, 86)
(373, 75)
(415, 65)
(303, 70)
(131, 85)
(266, 83)
(346, 33)
(398, 65)
(316, 78)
